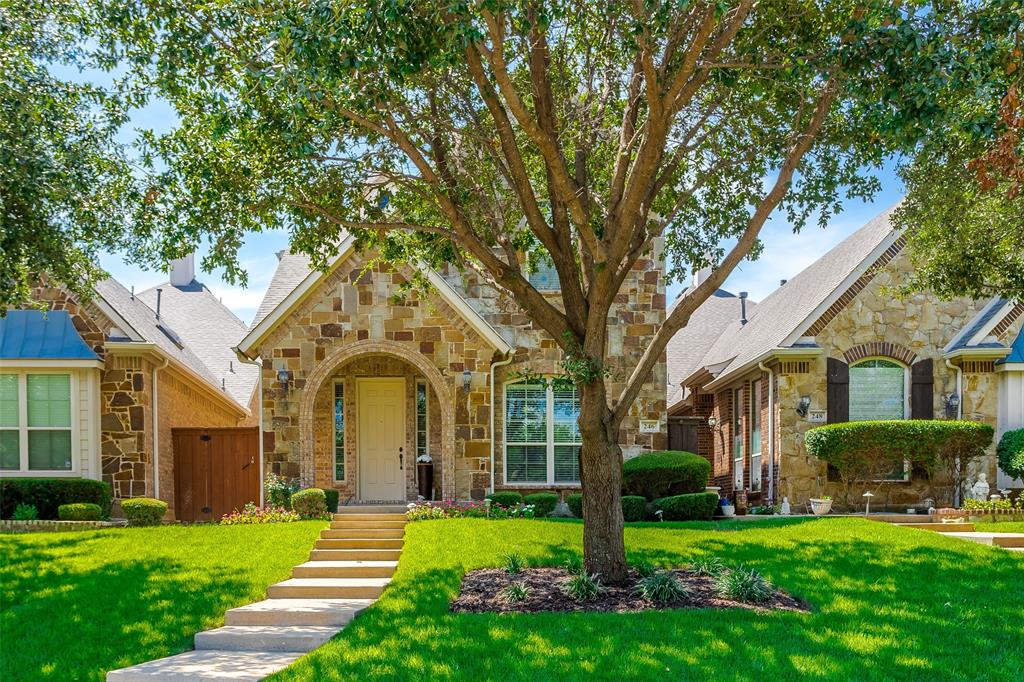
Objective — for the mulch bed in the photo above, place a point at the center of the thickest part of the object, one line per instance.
(480, 593)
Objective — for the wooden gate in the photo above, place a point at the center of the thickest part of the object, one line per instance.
(215, 471)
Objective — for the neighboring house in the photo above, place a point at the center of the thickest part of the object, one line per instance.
(835, 344)
(93, 388)
(361, 378)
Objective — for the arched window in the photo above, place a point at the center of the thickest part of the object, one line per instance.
(878, 390)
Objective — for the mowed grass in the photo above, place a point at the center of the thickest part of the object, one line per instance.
(1000, 526)
(889, 604)
(75, 605)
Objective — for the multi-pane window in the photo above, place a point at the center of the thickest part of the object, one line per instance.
(878, 390)
(542, 438)
(422, 429)
(755, 435)
(737, 438)
(35, 422)
(339, 431)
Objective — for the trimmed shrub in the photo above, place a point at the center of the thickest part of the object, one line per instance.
(143, 511)
(332, 497)
(543, 503)
(47, 494)
(79, 511)
(508, 498)
(1010, 452)
(310, 503)
(664, 474)
(575, 503)
(634, 507)
(690, 507)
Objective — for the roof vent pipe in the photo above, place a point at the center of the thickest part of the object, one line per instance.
(782, 281)
(159, 292)
(743, 307)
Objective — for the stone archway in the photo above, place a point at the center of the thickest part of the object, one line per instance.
(441, 387)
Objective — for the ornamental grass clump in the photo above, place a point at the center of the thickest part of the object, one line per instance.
(515, 593)
(744, 585)
(709, 566)
(661, 588)
(514, 563)
(574, 565)
(645, 569)
(583, 587)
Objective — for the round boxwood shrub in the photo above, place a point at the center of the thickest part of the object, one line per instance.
(543, 503)
(47, 494)
(634, 507)
(689, 507)
(143, 511)
(79, 511)
(310, 503)
(332, 498)
(1010, 452)
(575, 502)
(506, 498)
(662, 474)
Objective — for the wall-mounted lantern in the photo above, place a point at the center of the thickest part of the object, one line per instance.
(804, 406)
(283, 376)
(952, 403)
(467, 379)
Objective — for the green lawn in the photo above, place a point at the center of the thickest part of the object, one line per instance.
(74, 605)
(1000, 527)
(889, 604)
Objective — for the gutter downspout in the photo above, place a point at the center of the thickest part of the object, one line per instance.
(242, 357)
(156, 427)
(500, 363)
(959, 411)
(771, 432)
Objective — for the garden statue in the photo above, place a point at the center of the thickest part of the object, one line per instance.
(979, 491)
(785, 511)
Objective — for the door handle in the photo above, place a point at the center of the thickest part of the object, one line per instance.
(401, 458)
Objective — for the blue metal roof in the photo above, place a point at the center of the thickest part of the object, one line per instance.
(1016, 350)
(38, 335)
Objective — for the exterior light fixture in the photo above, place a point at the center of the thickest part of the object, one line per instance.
(804, 406)
(712, 423)
(952, 402)
(467, 379)
(867, 504)
(282, 376)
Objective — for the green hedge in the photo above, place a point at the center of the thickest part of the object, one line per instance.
(143, 511)
(634, 507)
(508, 498)
(543, 503)
(310, 503)
(689, 507)
(575, 502)
(79, 511)
(866, 450)
(332, 496)
(48, 494)
(661, 474)
(1010, 452)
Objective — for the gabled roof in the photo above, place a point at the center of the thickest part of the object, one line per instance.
(782, 318)
(1016, 350)
(295, 280)
(40, 335)
(209, 330)
(689, 345)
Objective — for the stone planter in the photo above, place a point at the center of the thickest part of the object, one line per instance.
(820, 507)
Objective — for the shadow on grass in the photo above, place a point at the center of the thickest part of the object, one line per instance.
(888, 603)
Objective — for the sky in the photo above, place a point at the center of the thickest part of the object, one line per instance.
(785, 253)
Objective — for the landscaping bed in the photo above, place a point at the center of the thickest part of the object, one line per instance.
(481, 592)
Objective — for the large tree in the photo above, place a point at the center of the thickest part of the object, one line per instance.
(505, 132)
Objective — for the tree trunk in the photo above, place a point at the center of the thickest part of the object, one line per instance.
(604, 549)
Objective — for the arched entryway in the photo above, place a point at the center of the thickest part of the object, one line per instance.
(328, 369)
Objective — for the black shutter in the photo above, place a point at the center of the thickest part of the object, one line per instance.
(838, 394)
(922, 389)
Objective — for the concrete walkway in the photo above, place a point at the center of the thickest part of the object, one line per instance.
(1013, 542)
(349, 567)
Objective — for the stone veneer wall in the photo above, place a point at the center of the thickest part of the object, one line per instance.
(353, 305)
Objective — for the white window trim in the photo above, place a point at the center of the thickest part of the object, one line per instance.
(906, 407)
(426, 418)
(738, 462)
(334, 432)
(549, 445)
(23, 427)
(756, 388)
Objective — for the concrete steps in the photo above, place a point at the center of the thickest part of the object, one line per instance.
(335, 612)
(940, 527)
(349, 567)
(345, 569)
(1007, 540)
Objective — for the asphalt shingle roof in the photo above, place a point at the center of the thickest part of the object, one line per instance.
(292, 268)
(39, 335)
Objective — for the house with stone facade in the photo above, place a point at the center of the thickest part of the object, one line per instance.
(833, 344)
(94, 388)
(362, 377)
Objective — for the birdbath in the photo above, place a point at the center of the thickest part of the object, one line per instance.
(867, 506)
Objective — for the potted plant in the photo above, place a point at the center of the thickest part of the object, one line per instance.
(726, 507)
(821, 505)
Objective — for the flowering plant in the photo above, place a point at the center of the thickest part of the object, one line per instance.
(451, 509)
(279, 490)
(994, 505)
(252, 514)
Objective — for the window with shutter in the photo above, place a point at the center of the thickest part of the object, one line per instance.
(878, 390)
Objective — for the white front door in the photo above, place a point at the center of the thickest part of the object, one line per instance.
(381, 438)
